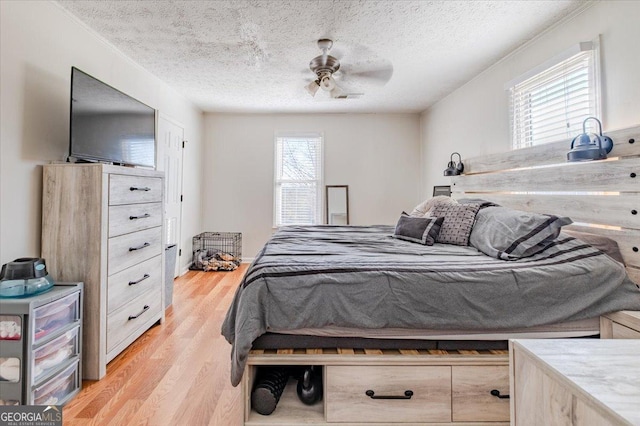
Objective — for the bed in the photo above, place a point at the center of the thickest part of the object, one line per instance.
(378, 279)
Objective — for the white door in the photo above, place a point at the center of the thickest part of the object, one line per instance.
(170, 143)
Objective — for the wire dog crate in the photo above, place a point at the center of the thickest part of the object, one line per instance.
(217, 251)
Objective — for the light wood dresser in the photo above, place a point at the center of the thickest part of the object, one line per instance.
(575, 382)
(103, 225)
(620, 325)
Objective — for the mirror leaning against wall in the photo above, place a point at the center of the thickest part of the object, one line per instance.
(337, 202)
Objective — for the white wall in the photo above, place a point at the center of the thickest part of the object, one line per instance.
(377, 155)
(474, 120)
(39, 44)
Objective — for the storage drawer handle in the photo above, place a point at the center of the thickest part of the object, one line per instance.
(140, 280)
(144, 216)
(139, 188)
(407, 395)
(145, 309)
(496, 393)
(140, 247)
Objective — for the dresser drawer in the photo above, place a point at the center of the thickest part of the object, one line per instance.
(471, 393)
(134, 189)
(131, 317)
(131, 249)
(347, 399)
(132, 282)
(129, 218)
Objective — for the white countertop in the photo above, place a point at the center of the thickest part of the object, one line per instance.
(604, 371)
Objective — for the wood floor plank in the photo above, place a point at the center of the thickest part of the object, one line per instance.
(163, 403)
(128, 410)
(229, 408)
(173, 388)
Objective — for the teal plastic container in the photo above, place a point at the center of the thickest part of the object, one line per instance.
(24, 277)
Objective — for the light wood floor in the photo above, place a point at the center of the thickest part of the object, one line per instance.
(177, 373)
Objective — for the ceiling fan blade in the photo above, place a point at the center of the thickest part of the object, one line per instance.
(380, 74)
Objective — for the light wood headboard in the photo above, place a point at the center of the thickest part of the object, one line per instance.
(602, 197)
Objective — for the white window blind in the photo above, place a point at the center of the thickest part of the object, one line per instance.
(298, 180)
(138, 150)
(552, 104)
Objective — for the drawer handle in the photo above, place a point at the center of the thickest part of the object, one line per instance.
(496, 393)
(145, 309)
(144, 216)
(140, 280)
(140, 247)
(407, 395)
(139, 188)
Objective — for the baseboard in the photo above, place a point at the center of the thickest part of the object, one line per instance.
(184, 270)
(248, 259)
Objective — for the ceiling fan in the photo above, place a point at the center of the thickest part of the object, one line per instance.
(325, 66)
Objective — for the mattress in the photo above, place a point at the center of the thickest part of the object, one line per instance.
(579, 328)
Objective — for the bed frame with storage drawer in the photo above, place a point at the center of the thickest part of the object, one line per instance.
(602, 197)
(410, 387)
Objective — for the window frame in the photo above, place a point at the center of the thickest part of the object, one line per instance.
(594, 76)
(319, 181)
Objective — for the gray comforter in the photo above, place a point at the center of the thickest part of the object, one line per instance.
(310, 277)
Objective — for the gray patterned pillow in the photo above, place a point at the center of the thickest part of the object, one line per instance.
(423, 230)
(509, 234)
(458, 222)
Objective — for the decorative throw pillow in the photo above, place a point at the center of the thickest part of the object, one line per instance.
(423, 230)
(458, 222)
(510, 234)
(423, 208)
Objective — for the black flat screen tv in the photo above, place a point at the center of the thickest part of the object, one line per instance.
(109, 126)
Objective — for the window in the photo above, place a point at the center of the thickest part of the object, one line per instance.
(550, 102)
(298, 180)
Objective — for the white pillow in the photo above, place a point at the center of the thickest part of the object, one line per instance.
(424, 207)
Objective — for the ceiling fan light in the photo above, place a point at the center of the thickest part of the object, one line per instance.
(336, 92)
(327, 83)
(312, 87)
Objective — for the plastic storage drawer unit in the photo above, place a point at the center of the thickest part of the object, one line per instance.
(41, 346)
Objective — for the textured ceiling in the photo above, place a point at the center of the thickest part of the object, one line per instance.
(253, 56)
